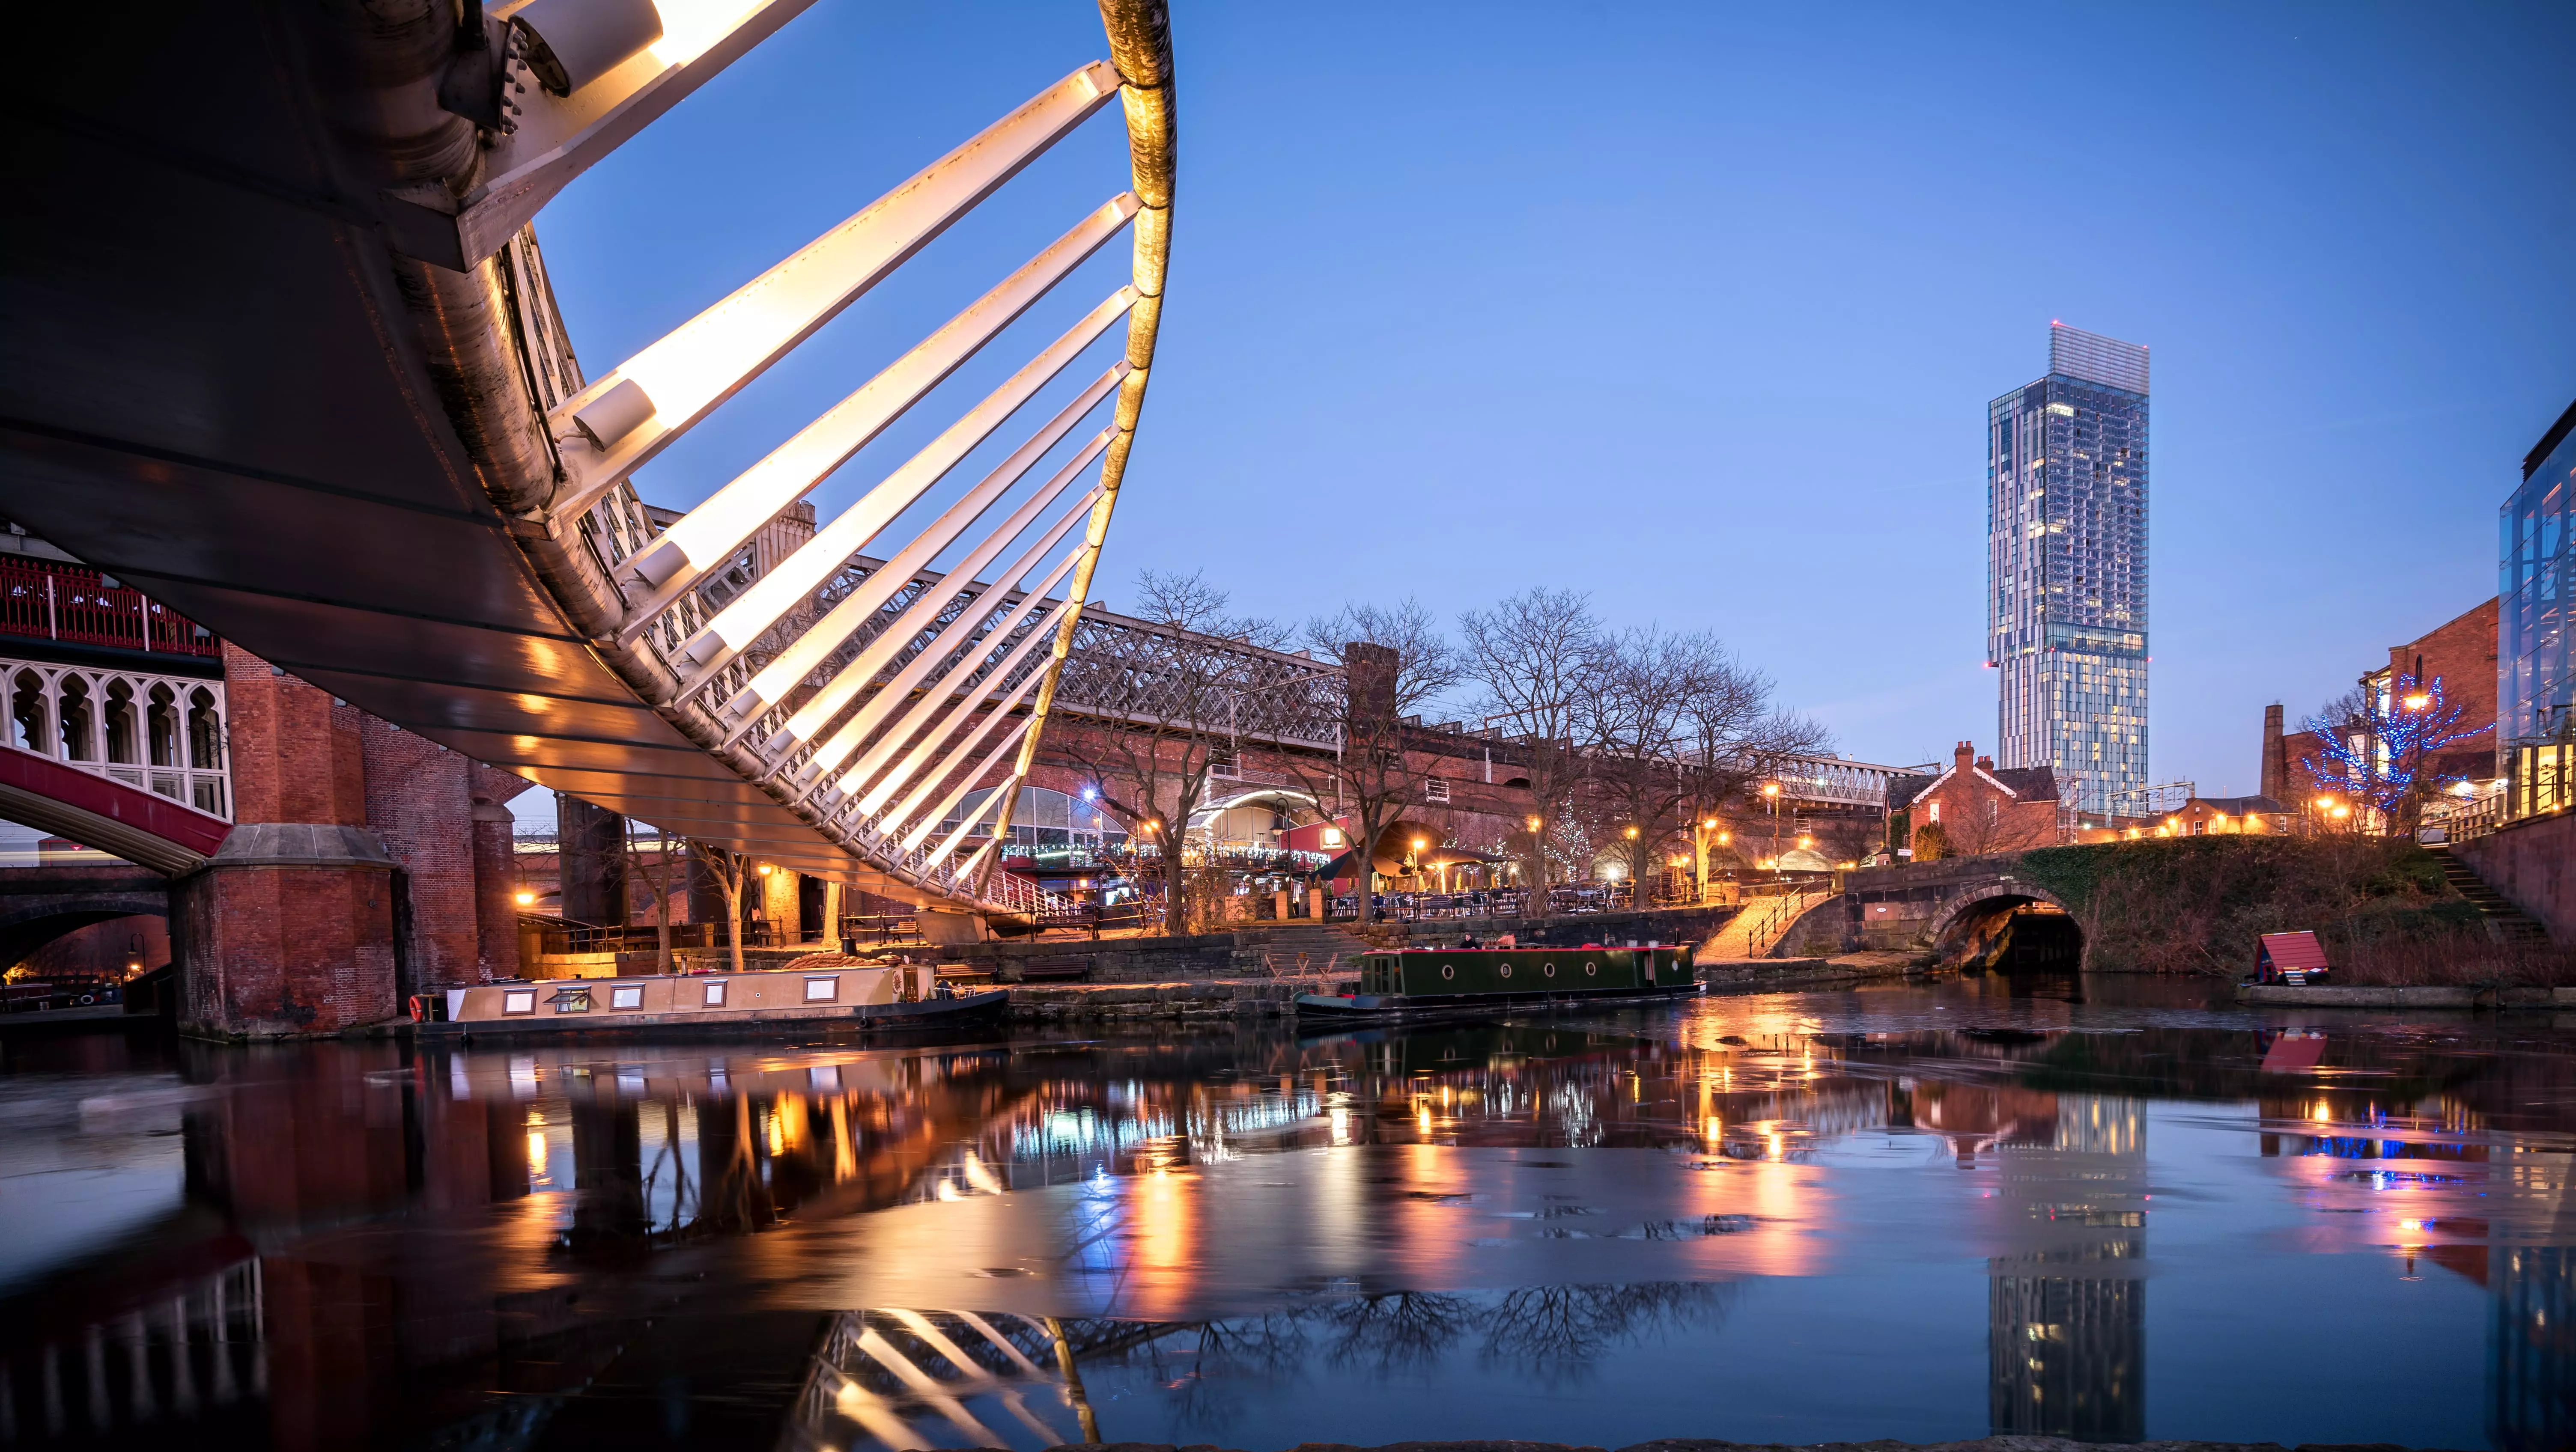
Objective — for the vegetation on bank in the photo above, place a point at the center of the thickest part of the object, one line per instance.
(2197, 905)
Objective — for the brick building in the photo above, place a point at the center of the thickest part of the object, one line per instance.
(2459, 655)
(1980, 807)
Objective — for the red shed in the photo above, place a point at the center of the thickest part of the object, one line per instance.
(2292, 958)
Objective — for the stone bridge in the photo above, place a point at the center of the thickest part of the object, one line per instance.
(40, 904)
(1969, 911)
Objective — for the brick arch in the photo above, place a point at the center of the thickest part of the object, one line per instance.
(1966, 907)
(29, 924)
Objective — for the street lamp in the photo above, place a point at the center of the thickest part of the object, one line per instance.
(1771, 794)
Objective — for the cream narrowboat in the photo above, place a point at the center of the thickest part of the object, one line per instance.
(894, 996)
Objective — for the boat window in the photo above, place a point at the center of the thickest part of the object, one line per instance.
(1448, 970)
(1507, 970)
(1549, 969)
(626, 995)
(715, 995)
(571, 1000)
(1590, 969)
(822, 990)
(520, 1000)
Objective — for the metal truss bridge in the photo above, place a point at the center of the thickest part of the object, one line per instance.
(280, 348)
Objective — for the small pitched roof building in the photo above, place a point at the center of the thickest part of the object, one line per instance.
(1979, 806)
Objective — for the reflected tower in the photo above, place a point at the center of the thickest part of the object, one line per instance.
(2066, 1318)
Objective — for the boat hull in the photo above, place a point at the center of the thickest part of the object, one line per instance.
(968, 1012)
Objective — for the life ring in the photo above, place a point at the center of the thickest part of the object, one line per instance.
(87, 999)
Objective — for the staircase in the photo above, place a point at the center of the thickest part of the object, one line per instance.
(2508, 924)
(1759, 926)
(1301, 949)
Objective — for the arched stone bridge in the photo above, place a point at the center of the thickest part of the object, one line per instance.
(1957, 909)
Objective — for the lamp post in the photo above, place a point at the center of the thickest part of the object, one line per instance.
(1771, 795)
(1538, 845)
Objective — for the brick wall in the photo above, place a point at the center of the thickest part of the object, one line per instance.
(419, 802)
(2461, 654)
(289, 950)
(296, 755)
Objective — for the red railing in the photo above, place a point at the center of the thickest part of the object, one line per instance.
(44, 601)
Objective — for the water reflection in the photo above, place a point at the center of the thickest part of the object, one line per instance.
(1250, 1239)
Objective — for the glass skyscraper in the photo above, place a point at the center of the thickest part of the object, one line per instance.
(2066, 569)
(2535, 689)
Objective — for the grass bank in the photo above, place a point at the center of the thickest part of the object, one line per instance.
(2197, 904)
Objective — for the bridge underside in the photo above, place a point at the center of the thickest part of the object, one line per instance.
(215, 386)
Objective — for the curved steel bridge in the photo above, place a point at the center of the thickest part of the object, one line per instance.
(277, 345)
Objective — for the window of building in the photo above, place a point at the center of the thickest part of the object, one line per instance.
(1935, 809)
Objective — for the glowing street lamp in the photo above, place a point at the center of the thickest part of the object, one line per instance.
(2419, 700)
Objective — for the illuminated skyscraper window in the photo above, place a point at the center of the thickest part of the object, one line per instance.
(2066, 568)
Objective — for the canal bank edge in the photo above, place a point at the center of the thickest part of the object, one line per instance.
(2374, 995)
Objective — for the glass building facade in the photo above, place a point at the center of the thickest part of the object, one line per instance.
(2535, 725)
(2066, 569)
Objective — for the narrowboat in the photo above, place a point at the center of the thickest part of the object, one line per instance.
(1423, 983)
(870, 998)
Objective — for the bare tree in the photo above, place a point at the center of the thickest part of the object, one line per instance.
(726, 867)
(1680, 731)
(656, 872)
(1635, 724)
(1186, 689)
(1533, 658)
(1394, 662)
(1736, 740)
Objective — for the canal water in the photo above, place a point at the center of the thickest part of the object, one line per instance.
(2076, 1207)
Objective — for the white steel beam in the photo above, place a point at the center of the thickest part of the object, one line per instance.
(1006, 746)
(708, 535)
(706, 359)
(872, 594)
(933, 701)
(961, 634)
(792, 581)
(933, 772)
(553, 139)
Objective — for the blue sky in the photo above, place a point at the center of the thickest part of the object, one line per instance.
(1698, 307)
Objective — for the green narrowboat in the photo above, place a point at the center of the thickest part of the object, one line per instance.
(1456, 982)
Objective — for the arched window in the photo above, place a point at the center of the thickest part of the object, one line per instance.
(161, 718)
(205, 731)
(78, 720)
(29, 728)
(124, 730)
